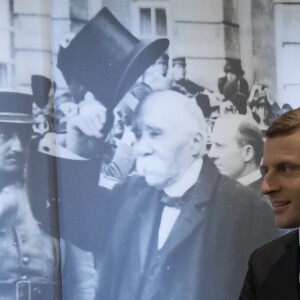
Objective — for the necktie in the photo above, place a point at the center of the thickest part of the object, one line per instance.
(169, 217)
(175, 202)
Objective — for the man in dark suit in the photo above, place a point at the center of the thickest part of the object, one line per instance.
(183, 230)
(274, 268)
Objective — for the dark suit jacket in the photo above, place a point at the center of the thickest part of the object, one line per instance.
(205, 256)
(273, 271)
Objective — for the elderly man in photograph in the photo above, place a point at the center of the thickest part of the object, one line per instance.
(182, 230)
(273, 271)
(29, 257)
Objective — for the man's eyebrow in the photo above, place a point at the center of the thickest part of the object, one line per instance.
(150, 127)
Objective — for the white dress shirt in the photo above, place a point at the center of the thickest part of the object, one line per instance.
(170, 214)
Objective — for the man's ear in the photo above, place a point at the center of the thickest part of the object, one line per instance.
(198, 146)
(248, 153)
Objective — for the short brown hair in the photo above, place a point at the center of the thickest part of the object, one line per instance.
(285, 124)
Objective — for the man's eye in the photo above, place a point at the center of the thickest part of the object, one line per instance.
(155, 133)
(263, 170)
(286, 169)
(137, 134)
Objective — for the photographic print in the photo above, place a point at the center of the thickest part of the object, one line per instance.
(131, 138)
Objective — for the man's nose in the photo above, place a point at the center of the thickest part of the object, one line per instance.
(270, 184)
(212, 153)
(16, 143)
(142, 146)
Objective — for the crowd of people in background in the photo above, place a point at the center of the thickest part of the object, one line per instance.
(157, 150)
(234, 97)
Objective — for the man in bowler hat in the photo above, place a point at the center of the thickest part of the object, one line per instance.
(273, 271)
(29, 257)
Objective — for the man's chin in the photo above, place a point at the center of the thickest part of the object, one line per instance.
(155, 182)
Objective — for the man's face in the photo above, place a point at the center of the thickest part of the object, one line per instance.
(13, 146)
(161, 68)
(231, 76)
(225, 151)
(179, 72)
(281, 168)
(163, 145)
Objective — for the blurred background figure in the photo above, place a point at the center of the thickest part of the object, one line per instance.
(29, 257)
(180, 83)
(233, 74)
(234, 87)
(262, 108)
(43, 105)
(161, 65)
(237, 148)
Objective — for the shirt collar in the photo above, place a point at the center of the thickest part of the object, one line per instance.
(248, 179)
(188, 179)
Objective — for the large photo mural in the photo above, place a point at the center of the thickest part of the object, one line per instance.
(131, 138)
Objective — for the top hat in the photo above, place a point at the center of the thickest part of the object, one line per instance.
(106, 58)
(16, 108)
(233, 66)
(179, 60)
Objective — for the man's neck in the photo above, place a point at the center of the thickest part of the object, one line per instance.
(188, 179)
(248, 169)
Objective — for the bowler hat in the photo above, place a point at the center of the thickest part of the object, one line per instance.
(106, 58)
(179, 60)
(233, 66)
(16, 108)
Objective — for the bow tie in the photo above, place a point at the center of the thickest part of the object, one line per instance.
(175, 202)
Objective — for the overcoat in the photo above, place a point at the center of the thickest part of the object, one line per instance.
(206, 253)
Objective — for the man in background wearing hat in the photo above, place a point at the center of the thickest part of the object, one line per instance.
(233, 81)
(161, 65)
(29, 257)
(187, 87)
(180, 82)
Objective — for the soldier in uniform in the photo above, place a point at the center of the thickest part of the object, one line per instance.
(180, 82)
(28, 256)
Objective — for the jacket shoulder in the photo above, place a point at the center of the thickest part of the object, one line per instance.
(290, 238)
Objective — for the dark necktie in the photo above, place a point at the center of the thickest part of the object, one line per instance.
(175, 202)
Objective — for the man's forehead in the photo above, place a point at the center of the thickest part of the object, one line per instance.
(282, 148)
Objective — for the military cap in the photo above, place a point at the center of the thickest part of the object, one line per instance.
(16, 108)
(179, 60)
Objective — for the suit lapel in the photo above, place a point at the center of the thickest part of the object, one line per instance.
(283, 280)
(194, 209)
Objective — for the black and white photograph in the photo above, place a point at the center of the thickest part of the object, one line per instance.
(131, 140)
